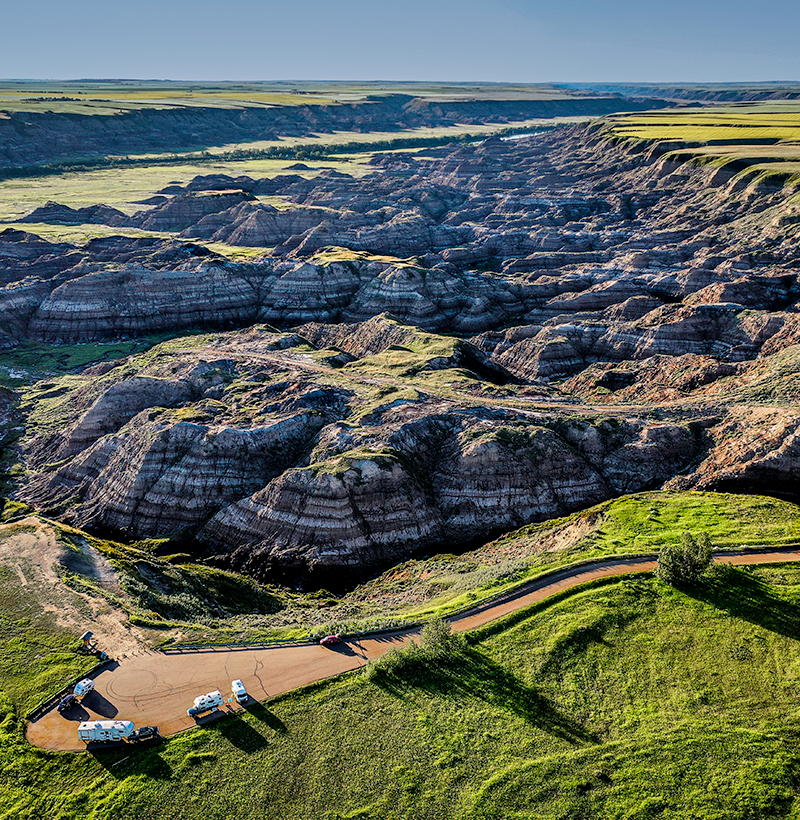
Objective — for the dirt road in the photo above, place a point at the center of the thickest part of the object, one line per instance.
(153, 688)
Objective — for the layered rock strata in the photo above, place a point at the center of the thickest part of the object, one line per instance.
(469, 338)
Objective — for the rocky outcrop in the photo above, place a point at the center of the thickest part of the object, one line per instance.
(91, 215)
(754, 450)
(18, 303)
(277, 474)
(258, 225)
(309, 520)
(179, 212)
(603, 255)
(32, 137)
(383, 333)
(441, 479)
(460, 341)
(160, 473)
(118, 405)
(24, 255)
(134, 301)
(654, 380)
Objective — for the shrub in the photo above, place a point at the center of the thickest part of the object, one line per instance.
(684, 563)
(437, 645)
(437, 639)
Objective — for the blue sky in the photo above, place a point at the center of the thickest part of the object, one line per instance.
(448, 40)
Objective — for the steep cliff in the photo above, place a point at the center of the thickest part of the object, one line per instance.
(30, 137)
(260, 444)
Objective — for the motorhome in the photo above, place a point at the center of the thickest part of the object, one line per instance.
(83, 687)
(209, 702)
(238, 691)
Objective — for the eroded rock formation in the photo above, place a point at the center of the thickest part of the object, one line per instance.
(460, 341)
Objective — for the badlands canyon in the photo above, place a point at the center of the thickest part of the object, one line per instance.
(455, 341)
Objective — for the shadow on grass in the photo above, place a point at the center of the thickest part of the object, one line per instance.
(242, 735)
(123, 762)
(260, 712)
(744, 596)
(470, 673)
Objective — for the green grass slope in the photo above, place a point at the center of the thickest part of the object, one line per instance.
(627, 699)
(180, 601)
(755, 140)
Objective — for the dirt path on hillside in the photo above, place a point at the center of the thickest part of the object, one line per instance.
(31, 549)
(158, 688)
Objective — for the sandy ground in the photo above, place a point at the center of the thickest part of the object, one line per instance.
(32, 550)
(154, 688)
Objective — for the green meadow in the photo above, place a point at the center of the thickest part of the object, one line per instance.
(624, 699)
(178, 601)
(759, 140)
(745, 121)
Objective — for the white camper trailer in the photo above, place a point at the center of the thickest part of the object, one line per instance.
(83, 687)
(104, 730)
(209, 702)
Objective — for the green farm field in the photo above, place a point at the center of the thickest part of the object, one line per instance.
(114, 97)
(757, 140)
(746, 121)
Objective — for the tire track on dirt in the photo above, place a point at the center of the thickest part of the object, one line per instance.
(172, 680)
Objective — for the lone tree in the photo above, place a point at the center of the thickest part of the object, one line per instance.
(684, 563)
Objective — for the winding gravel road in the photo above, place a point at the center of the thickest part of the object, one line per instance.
(156, 688)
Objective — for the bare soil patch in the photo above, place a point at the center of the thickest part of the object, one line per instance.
(32, 549)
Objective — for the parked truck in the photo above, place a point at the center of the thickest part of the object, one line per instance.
(83, 687)
(209, 702)
(105, 730)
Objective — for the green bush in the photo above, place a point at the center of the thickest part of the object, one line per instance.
(437, 645)
(438, 641)
(684, 563)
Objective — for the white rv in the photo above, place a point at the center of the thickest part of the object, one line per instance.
(83, 687)
(238, 691)
(104, 730)
(209, 702)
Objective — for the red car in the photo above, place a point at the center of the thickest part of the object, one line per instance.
(330, 640)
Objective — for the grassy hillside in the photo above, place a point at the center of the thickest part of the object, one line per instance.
(757, 121)
(419, 589)
(176, 600)
(38, 656)
(627, 699)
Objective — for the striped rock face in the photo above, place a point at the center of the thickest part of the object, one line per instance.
(451, 344)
